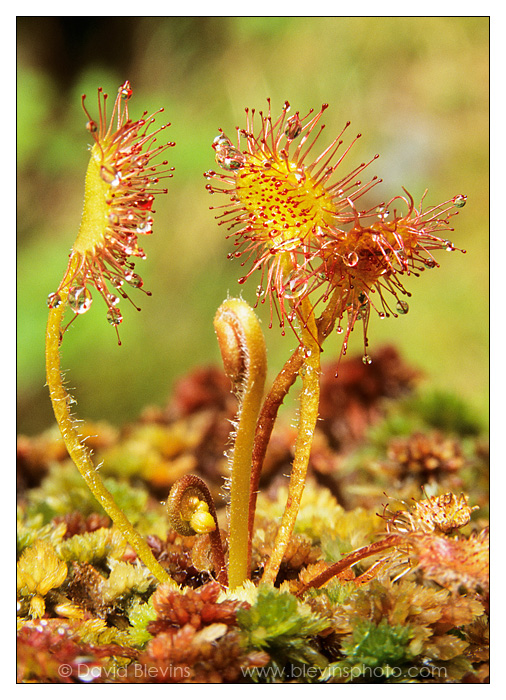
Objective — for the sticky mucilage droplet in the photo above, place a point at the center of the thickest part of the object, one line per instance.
(293, 127)
(53, 300)
(79, 299)
(227, 155)
(402, 306)
(459, 201)
(114, 316)
(351, 259)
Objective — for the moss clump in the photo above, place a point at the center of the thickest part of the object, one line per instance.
(373, 649)
(283, 627)
(93, 547)
(39, 570)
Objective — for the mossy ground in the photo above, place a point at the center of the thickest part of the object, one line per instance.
(418, 612)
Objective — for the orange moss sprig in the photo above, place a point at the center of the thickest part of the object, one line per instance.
(121, 182)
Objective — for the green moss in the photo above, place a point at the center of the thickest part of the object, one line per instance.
(64, 491)
(422, 412)
(447, 412)
(372, 651)
(377, 644)
(139, 615)
(31, 529)
(93, 547)
(279, 624)
(336, 592)
(124, 580)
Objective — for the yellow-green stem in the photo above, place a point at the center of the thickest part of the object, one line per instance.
(275, 397)
(74, 443)
(309, 400)
(244, 356)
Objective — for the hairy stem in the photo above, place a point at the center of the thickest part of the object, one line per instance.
(244, 356)
(185, 497)
(309, 400)
(279, 390)
(349, 560)
(74, 442)
(267, 418)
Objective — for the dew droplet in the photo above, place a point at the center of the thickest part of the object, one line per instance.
(79, 299)
(459, 201)
(144, 228)
(220, 141)
(293, 127)
(126, 90)
(229, 157)
(300, 175)
(53, 300)
(112, 299)
(429, 264)
(449, 246)
(117, 282)
(260, 290)
(108, 175)
(135, 280)
(295, 286)
(351, 259)
(114, 317)
(402, 306)
(231, 162)
(367, 359)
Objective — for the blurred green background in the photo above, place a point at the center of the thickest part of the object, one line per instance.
(417, 88)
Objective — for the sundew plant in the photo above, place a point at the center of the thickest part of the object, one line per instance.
(294, 581)
(121, 183)
(292, 212)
